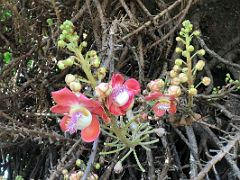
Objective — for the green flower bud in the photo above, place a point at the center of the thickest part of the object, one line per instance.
(61, 43)
(84, 44)
(97, 166)
(185, 53)
(183, 77)
(79, 162)
(192, 91)
(95, 62)
(178, 50)
(178, 62)
(178, 39)
(69, 61)
(64, 171)
(92, 53)
(201, 52)
(190, 48)
(181, 33)
(186, 23)
(50, 22)
(64, 32)
(200, 65)
(68, 23)
(196, 33)
(61, 65)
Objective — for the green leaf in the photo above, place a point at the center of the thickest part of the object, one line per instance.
(7, 56)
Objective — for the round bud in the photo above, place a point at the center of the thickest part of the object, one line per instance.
(200, 65)
(173, 73)
(175, 81)
(75, 86)
(178, 39)
(118, 168)
(196, 33)
(97, 166)
(84, 44)
(64, 32)
(69, 78)
(103, 90)
(178, 62)
(93, 177)
(185, 53)
(64, 171)
(206, 81)
(92, 53)
(192, 91)
(156, 85)
(190, 48)
(178, 50)
(95, 62)
(61, 43)
(176, 68)
(201, 52)
(174, 90)
(79, 162)
(61, 65)
(183, 77)
(69, 61)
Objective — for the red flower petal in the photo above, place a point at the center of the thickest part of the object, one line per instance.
(95, 107)
(133, 85)
(173, 108)
(59, 109)
(64, 97)
(115, 110)
(153, 96)
(158, 112)
(117, 80)
(64, 123)
(90, 133)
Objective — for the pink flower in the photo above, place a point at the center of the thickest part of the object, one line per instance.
(164, 103)
(80, 113)
(121, 98)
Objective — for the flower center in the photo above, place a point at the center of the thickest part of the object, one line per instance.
(80, 119)
(121, 96)
(164, 103)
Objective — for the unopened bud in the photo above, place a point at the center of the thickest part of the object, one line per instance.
(79, 162)
(174, 90)
(192, 91)
(61, 43)
(184, 70)
(196, 33)
(101, 73)
(173, 74)
(175, 81)
(178, 62)
(206, 81)
(95, 61)
(64, 171)
(84, 44)
(92, 53)
(178, 50)
(69, 78)
(103, 90)
(190, 48)
(69, 61)
(201, 52)
(97, 166)
(156, 85)
(185, 53)
(75, 86)
(183, 77)
(200, 65)
(93, 177)
(176, 68)
(118, 168)
(61, 65)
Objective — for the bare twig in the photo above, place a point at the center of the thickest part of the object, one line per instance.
(218, 158)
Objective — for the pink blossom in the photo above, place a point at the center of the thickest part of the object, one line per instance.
(80, 113)
(164, 103)
(121, 98)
